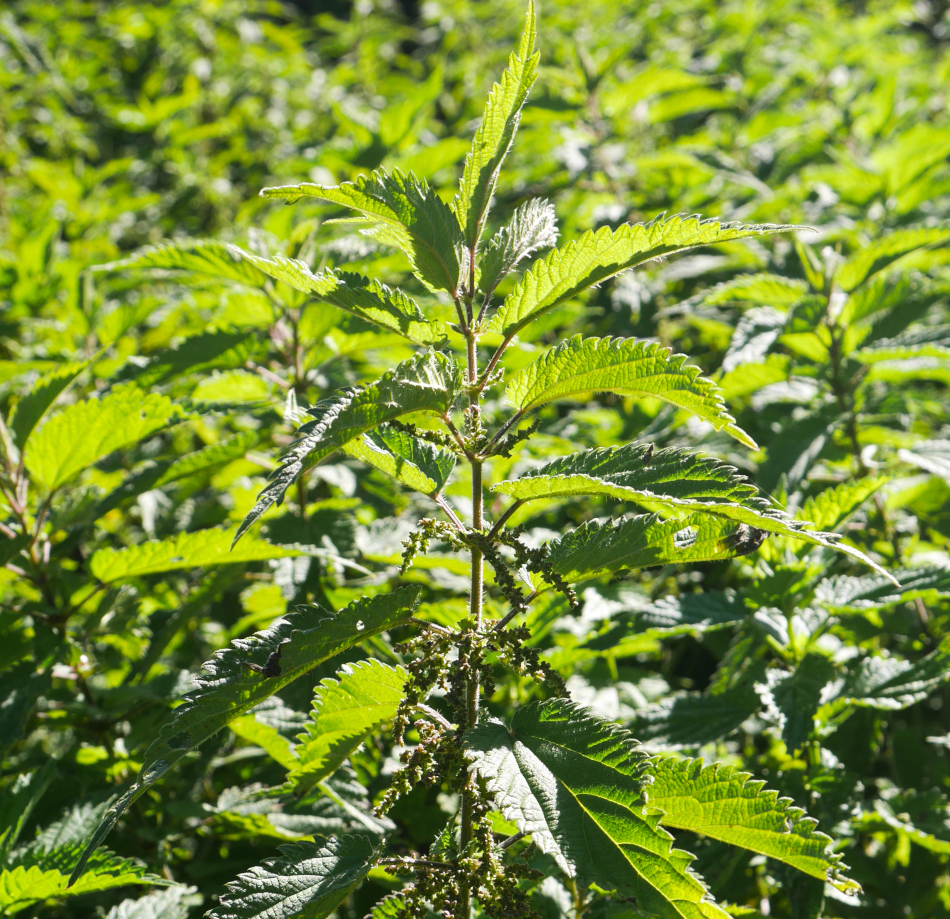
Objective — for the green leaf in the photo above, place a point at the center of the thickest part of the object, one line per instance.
(345, 712)
(574, 783)
(600, 254)
(796, 447)
(885, 250)
(391, 907)
(202, 256)
(724, 804)
(158, 474)
(689, 614)
(228, 688)
(220, 348)
(87, 431)
(200, 549)
(171, 903)
(890, 683)
(932, 456)
(670, 480)
(36, 875)
(10, 547)
(416, 463)
(495, 134)
(742, 381)
(207, 458)
(761, 289)
(831, 507)
(696, 719)
(532, 226)
(793, 699)
(930, 341)
(847, 594)
(369, 300)
(579, 367)
(267, 726)
(309, 880)
(595, 549)
(19, 800)
(31, 407)
(407, 213)
(428, 382)
(754, 335)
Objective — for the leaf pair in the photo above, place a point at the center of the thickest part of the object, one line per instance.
(672, 482)
(588, 796)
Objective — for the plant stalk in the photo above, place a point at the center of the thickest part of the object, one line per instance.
(475, 613)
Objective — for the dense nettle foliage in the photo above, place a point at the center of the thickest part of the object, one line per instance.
(473, 537)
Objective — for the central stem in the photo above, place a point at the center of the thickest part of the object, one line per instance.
(475, 612)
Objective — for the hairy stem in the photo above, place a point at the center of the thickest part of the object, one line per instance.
(475, 612)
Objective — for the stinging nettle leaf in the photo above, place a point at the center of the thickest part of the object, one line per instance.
(200, 549)
(929, 341)
(722, 803)
(428, 382)
(87, 431)
(793, 451)
(495, 134)
(267, 726)
(761, 289)
(371, 301)
(831, 507)
(345, 711)
(669, 481)
(885, 250)
(754, 335)
(407, 213)
(793, 699)
(202, 256)
(171, 903)
(220, 348)
(889, 683)
(532, 226)
(574, 782)
(227, 687)
(309, 880)
(416, 463)
(932, 456)
(33, 875)
(32, 406)
(208, 458)
(601, 254)
(645, 541)
(579, 367)
(847, 594)
(695, 719)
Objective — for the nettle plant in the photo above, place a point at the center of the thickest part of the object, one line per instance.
(555, 778)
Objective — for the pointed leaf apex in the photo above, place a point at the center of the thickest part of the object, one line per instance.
(530, 35)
